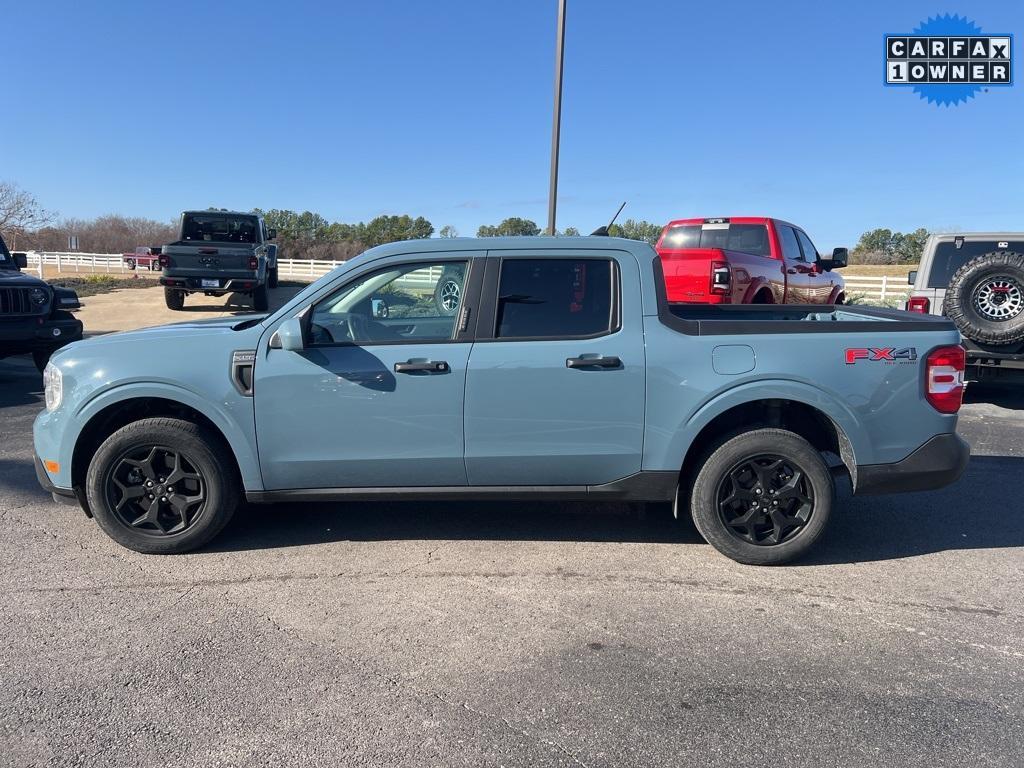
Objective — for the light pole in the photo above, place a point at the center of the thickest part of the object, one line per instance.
(557, 121)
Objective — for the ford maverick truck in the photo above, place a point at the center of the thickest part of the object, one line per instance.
(219, 252)
(747, 260)
(544, 368)
(35, 317)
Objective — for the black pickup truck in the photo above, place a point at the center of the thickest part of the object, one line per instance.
(219, 252)
(35, 317)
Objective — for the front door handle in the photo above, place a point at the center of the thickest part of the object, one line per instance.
(422, 366)
(600, 361)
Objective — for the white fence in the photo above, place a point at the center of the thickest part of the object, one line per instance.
(883, 288)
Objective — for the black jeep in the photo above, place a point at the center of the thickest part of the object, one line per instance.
(35, 317)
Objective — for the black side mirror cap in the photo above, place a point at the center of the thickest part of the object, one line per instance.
(840, 257)
(271, 234)
(20, 260)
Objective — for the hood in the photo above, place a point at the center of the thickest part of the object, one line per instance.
(11, 277)
(191, 330)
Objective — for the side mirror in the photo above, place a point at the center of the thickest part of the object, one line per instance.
(380, 308)
(911, 277)
(271, 234)
(840, 258)
(20, 260)
(290, 334)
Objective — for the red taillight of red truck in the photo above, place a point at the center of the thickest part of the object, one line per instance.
(919, 304)
(944, 378)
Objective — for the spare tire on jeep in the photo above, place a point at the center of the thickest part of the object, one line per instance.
(985, 298)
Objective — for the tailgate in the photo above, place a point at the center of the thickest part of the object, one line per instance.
(209, 258)
(688, 274)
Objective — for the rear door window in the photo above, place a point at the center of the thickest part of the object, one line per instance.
(556, 298)
(746, 238)
(948, 258)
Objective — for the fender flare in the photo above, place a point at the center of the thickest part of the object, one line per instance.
(757, 285)
(240, 443)
(853, 440)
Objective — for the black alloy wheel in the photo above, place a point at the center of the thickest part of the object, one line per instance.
(765, 500)
(156, 490)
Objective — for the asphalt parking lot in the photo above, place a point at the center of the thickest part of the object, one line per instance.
(511, 634)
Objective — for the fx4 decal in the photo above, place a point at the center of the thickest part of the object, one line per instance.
(884, 354)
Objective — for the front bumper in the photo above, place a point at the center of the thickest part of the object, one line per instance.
(936, 464)
(28, 334)
(61, 495)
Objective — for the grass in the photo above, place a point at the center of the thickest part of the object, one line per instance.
(93, 285)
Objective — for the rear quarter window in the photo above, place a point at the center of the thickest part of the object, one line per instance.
(948, 258)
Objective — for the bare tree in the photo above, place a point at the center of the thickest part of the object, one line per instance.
(20, 213)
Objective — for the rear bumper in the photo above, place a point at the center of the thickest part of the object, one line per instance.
(936, 464)
(246, 281)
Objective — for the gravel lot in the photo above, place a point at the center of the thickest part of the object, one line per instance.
(516, 634)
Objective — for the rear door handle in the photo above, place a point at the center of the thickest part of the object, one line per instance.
(422, 366)
(600, 361)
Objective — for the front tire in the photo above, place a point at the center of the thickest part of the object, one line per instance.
(162, 486)
(763, 497)
(174, 299)
(130, 263)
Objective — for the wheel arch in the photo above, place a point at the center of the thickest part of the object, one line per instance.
(809, 420)
(106, 415)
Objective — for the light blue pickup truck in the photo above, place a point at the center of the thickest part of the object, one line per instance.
(508, 368)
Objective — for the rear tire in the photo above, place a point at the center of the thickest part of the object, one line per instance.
(139, 453)
(174, 299)
(272, 277)
(261, 298)
(985, 298)
(763, 497)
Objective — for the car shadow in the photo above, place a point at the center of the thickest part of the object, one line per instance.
(240, 303)
(1002, 394)
(971, 514)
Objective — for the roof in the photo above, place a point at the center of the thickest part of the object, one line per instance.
(218, 212)
(548, 246)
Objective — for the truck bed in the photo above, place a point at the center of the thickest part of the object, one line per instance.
(727, 319)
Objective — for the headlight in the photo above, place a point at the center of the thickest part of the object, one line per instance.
(39, 296)
(53, 386)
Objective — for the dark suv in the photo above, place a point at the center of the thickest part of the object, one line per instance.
(35, 317)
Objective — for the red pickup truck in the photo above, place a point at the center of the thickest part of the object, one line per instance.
(747, 260)
(144, 256)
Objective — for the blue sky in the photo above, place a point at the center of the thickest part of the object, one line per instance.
(443, 109)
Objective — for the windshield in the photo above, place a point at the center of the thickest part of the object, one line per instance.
(748, 238)
(948, 258)
(220, 228)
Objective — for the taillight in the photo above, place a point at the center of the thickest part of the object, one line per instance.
(720, 277)
(164, 261)
(944, 378)
(919, 304)
(254, 263)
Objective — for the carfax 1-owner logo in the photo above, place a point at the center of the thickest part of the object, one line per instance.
(948, 59)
